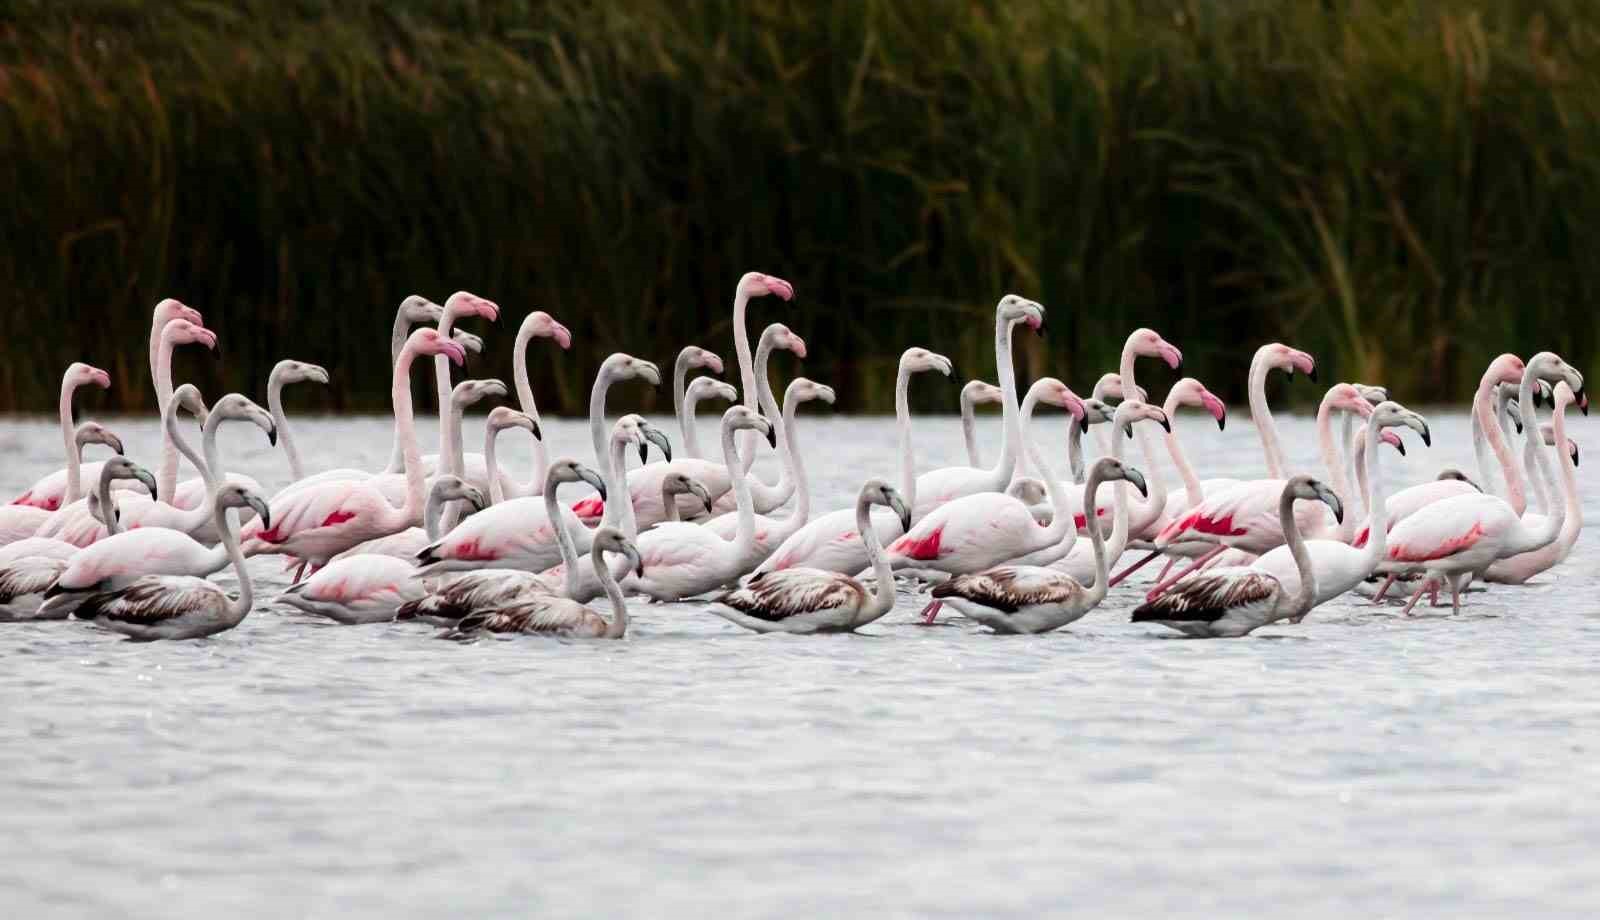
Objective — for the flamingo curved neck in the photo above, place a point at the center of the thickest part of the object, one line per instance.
(454, 463)
(564, 544)
(769, 408)
(1102, 564)
(441, 374)
(227, 524)
(1307, 595)
(794, 464)
(195, 517)
(902, 421)
(1370, 475)
(747, 371)
(969, 430)
(680, 403)
(1573, 523)
(1122, 510)
(411, 455)
(618, 511)
(1062, 526)
(285, 435)
(1180, 462)
(1483, 411)
(617, 625)
(744, 541)
(1261, 415)
(1007, 463)
(1553, 521)
(1333, 459)
(880, 600)
(397, 341)
(525, 402)
(108, 510)
(69, 444)
(1156, 503)
(167, 477)
(597, 418)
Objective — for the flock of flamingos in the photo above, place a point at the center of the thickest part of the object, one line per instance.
(450, 539)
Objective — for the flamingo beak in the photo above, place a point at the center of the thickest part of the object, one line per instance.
(772, 436)
(272, 434)
(898, 506)
(1574, 446)
(1166, 423)
(797, 345)
(101, 379)
(711, 362)
(115, 443)
(1171, 355)
(533, 427)
(779, 287)
(1136, 478)
(593, 479)
(1217, 408)
(633, 557)
(145, 478)
(700, 491)
(561, 334)
(657, 437)
(473, 496)
(260, 508)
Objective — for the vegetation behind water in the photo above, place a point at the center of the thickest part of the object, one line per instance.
(1404, 188)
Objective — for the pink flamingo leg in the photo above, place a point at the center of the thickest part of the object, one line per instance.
(931, 612)
(1416, 597)
(1433, 594)
(298, 572)
(1455, 597)
(1384, 589)
(1118, 578)
(1161, 587)
(1167, 568)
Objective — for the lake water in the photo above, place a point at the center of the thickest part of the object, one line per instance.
(1360, 764)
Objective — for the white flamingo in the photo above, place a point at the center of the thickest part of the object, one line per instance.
(699, 390)
(1233, 601)
(22, 522)
(284, 373)
(751, 284)
(691, 358)
(182, 606)
(536, 325)
(832, 542)
(1035, 599)
(504, 418)
(64, 486)
(806, 600)
(976, 393)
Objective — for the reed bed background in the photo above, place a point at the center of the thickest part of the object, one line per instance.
(1401, 187)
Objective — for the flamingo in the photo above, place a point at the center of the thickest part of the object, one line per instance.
(443, 489)
(832, 542)
(460, 305)
(174, 333)
(751, 284)
(936, 487)
(370, 587)
(464, 395)
(29, 567)
(559, 616)
(484, 588)
(284, 373)
(699, 390)
(1458, 537)
(976, 393)
(691, 358)
(22, 522)
(772, 531)
(319, 521)
(504, 418)
(536, 325)
(1340, 567)
(1233, 601)
(64, 486)
(644, 484)
(807, 600)
(682, 560)
(182, 606)
(518, 533)
(974, 532)
(1035, 599)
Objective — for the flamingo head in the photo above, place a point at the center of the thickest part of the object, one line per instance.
(569, 470)
(1109, 386)
(916, 360)
(96, 433)
(741, 418)
(802, 389)
(1305, 487)
(1458, 476)
(462, 304)
(418, 310)
(541, 325)
(756, 284)
(471, 343)
(187, 398)
(1372, 394)
(676, 483)
(171, 308)
(1150, 344)
(653, 435)
(1133, 410)
(289, 371)
(122, 468)
(1028, 490)
(1547, 365)
(781, 337)
(184, 332)
(710, 388)
(237, 407)
(1507, 368)
(1053, 392)
(694, 356)
(979, 393)
(79, 374)
(626, 367)
(448, 488)
(1191, 392)
(1393, 440)
(471, 392)
(1344, 397)
(1289, 360)
(611, 540)
(1110, 469)
(1016, 309)
(878, 492)
(233, 495)
(503, 417)
(1095, 412)
(427, 341)
(1389, 414)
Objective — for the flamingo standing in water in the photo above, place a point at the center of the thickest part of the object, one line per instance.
(317, 522)
(692, 357)
(699, 390)
(551, 615)
(1456, 538)
(1235, 600)
(21, 522)
(284, 373)
(976, 393)
(536, 325)
(1035, 599)
(64, 486)
(806, 600)
(977, 531)
(751, 284)
(1518, 569)
(182, 606)
(832, 542)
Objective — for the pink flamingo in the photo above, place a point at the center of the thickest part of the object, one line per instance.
(537, 325)
(460, 305)
(976, 393)
(974, 532)
(692, 357)
(284, 373)
(64, 486)
(19, 523)
(699, 390)
(1517, 570)
(831, 542)
(751, 284)
(317, 522)
(1453, 539)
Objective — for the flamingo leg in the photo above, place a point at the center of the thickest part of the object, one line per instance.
(1162, 586)
(1433, 593)
(1167, 568)
(1384, 588)
(1117, 578)
(300, 570)
(1455, 597)
(1414, 598)
(931, 612)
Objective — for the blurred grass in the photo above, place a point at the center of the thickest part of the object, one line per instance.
(1399, 187)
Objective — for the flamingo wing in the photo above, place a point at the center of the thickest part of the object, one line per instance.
(1231, 513)
(1446, 528)
(33, 575)
(549, 615)
(1009, 588)
(1207, 597)
(777, 596)
(152, 600)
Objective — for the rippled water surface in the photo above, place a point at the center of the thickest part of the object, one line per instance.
(1358, 764)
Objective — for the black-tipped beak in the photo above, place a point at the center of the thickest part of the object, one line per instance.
(272, 435)
(1427, 437)
(147, 480)
(1583, 403)
(1574, 455)
(1083, 424)
(1312, 374)
(1127, 430)
(772, 437)
(1401, 447)
(115, 443)
(1137, 479)
(1222, 423)
(644, 452)
(1166, 424)
(538, 433)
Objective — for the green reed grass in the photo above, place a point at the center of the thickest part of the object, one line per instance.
(1402, 188)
